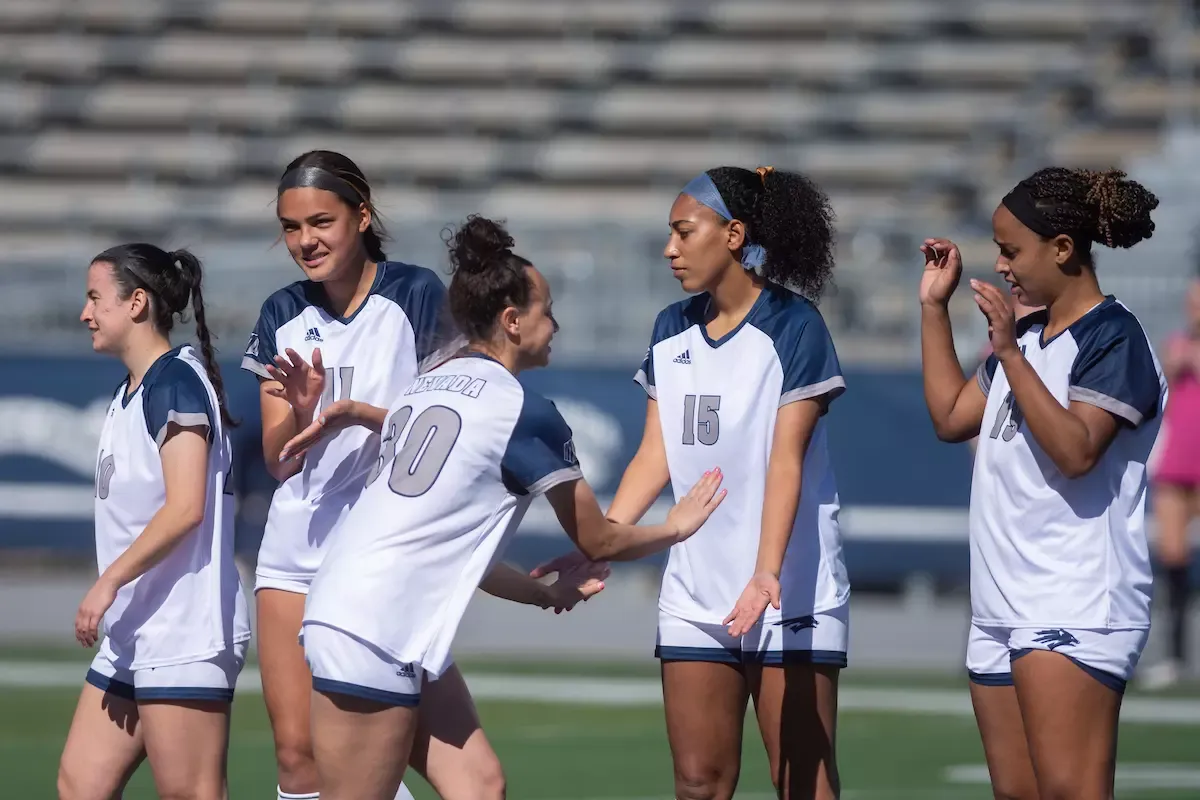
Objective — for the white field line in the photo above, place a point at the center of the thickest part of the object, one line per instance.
(644, 692)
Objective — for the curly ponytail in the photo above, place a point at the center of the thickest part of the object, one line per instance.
(1090, 206)
(790, 216)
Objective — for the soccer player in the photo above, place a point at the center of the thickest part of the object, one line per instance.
(168, 602)
(1067, 409)
(757, 604)
(356, 329)
(464, 450)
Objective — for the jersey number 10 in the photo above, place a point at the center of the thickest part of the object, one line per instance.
(426, 448)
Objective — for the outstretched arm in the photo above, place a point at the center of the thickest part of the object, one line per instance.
(602, 539)
(340, 415)
(571, 587)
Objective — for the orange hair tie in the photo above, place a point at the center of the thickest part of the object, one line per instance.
(763, 172)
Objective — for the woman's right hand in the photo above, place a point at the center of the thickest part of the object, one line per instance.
(943, 269)
(301, 384)
(336, 417)
(697, 505)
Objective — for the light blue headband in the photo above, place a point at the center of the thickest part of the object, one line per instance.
(704, 191)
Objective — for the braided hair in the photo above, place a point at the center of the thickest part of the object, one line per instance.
(790, 217)
(173, 281)
(1105, 207)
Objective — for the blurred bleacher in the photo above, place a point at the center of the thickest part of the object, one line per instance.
(578, 121)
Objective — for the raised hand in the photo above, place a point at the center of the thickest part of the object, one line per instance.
(697, 505)
(337, 416)
(943, 269)
(762, 589)
(1002, 322)
(301, 383)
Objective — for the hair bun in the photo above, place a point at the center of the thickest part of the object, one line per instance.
(478, 244)
(1123, 208)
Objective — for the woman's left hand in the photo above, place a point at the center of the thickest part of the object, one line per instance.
(91, 611)
(763, 589)
(1002, 322)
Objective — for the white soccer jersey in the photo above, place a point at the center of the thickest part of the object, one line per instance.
(370, 356)
(188, 607)
(717, 403)
(1051, 551)
(463, 453)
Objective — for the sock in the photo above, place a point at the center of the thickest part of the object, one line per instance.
(404, 793)
(1177, 597)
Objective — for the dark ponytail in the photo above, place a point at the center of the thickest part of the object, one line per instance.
(790, 217)
(172, 280)
(189, 265)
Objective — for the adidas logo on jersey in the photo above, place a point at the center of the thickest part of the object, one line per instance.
(683, 358)
(313, 335)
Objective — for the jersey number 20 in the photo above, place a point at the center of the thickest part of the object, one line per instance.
(426, 447)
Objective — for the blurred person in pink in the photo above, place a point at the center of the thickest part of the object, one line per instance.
(1176, 482)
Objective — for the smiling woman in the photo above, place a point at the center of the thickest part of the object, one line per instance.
(356, 327)
(345, 342)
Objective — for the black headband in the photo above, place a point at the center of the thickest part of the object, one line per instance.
(1022, 205)
(318, 178)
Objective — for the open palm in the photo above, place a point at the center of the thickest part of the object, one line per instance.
(302, 384)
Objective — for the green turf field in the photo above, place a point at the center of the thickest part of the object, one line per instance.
(615, 752)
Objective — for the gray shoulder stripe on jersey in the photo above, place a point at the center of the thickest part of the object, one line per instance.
(1109, 404)
(192, 419)
(250, 364)
(555, 478)
(984, 380)
(642, 379)
(815, 390)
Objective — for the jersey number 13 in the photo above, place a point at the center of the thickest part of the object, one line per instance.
(427, 445)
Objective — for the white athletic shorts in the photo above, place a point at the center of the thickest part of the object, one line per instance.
(213, 679)
(1109, 656)
(822, 638)
(344, 664)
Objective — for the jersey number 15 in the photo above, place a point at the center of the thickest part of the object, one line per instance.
(425, 450)
(700, 420)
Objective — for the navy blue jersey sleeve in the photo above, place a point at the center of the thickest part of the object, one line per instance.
(422, 296)
(278, 309)
(1115, 369)
(540, 453)
(804, 349)
(986, 372)
(176, 394)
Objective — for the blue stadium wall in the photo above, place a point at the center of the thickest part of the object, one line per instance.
(904, 494)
